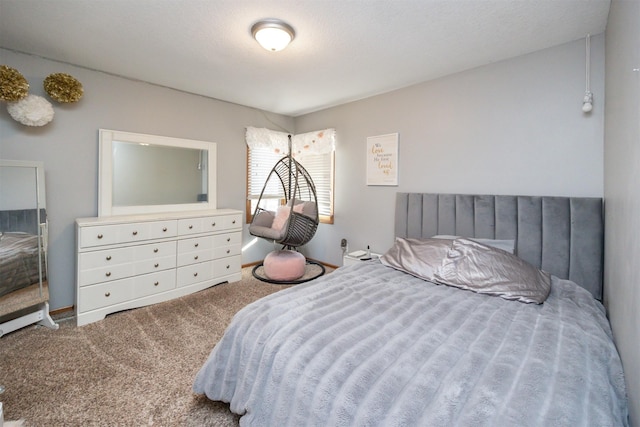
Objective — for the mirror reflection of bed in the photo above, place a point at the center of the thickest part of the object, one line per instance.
(24, 290)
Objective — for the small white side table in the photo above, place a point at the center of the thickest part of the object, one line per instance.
(349, 259)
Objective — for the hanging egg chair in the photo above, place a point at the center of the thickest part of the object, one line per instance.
(293, 224)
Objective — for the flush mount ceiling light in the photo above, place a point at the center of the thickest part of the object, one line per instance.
(273, 34)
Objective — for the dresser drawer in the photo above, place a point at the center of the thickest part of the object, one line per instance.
(194, 273)
(195, 257)
(190, 226)
(162, 229)
(227, 239)
(154, 283)
(212, 223)
(226, 251)
(224, 266)
(110, 257)
(140, 231)
(105, 258)
(105, 294)
(195, 244)
(106, 274)
(222, 222)
(98, 235)
(101, 235)
(155, 264)
(155, 250)
(231, 221)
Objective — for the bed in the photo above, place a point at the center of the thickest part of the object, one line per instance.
(385, 343)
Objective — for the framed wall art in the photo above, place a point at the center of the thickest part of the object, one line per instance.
(382, 159)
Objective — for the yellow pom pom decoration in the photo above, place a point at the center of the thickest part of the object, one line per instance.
(13, 85)
(63, 87)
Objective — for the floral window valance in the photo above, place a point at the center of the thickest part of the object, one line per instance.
(316, 142)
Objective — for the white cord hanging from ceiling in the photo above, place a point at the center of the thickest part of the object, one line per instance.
(587, 102)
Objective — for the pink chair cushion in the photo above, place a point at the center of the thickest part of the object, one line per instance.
(284, 265)
(282, 215)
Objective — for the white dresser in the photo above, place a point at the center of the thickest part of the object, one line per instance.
(125, 262)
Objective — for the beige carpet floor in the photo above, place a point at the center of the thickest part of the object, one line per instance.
(133, 368)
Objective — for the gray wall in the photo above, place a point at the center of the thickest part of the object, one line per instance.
(512, 127)
(68, 146)
(622, 190)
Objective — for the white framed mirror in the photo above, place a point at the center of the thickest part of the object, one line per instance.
(144, 174)
(24, 286)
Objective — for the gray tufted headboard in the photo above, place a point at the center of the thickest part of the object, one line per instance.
(24, 220)
(561, 235)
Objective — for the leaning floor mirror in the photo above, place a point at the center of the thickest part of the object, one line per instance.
(24, 290)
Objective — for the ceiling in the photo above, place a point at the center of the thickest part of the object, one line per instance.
(344, 50)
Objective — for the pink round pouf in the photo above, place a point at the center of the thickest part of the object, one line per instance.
(284, 265)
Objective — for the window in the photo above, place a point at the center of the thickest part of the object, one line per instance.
(260, 161)
(314, 150)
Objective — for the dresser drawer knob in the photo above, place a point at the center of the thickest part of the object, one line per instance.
(190, 227)
(213, 224)
(107, 294)
(228, 239)
(233, 222)
(196, 245)
(108, 274)
(228, 250)
(156, 265)
(195, 257)
(108, 257)
(156, 283)
(228, 266)
(135, 233)
(164, 229)
(195, 274)
(100, 236)
(155, 251)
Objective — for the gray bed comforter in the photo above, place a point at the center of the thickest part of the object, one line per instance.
(369, 345)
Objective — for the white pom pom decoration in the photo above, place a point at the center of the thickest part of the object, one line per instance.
(32, 110)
